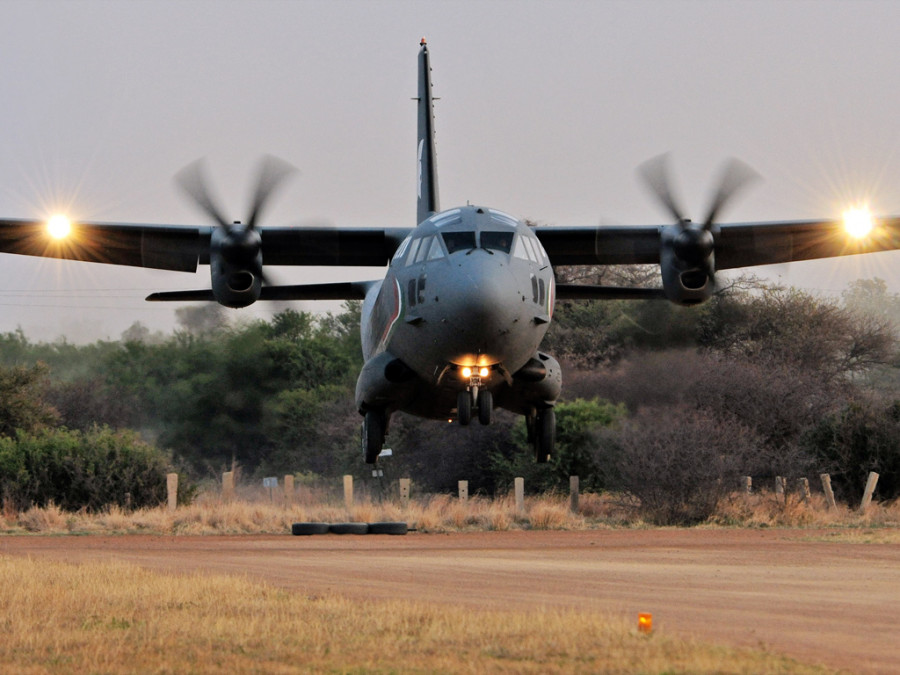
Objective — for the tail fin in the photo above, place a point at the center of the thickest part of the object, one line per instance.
(428, 185)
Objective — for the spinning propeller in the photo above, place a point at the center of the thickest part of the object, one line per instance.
(687, 253)
(239, 245)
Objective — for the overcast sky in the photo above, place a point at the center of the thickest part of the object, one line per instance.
(546, 109)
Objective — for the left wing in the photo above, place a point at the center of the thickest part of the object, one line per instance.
(162, 247)
(182, 248)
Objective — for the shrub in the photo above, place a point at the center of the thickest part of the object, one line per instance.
(82, 470)
(677, 462)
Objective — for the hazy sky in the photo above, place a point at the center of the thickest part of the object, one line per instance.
(546, 109)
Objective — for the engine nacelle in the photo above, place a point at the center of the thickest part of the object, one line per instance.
(687, 262)
(234, 287)
(235, 264)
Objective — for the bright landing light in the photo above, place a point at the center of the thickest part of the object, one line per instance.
(858, 222)
(59, 227)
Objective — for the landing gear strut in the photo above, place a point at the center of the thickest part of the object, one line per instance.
(544, 435)
(373, 428)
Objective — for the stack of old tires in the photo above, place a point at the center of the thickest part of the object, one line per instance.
(305, 529)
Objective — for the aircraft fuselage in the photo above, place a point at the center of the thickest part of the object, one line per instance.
(466, 301)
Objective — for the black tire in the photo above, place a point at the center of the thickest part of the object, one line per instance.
(544, 435)
(485, 407)
(304, 529)
(372, 435)
(464, 407)
(349, 528)
(388, 528)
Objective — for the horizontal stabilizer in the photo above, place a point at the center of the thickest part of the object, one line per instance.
(586, 292)
(345, 290)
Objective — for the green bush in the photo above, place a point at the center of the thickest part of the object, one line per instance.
(81, 470)
(578, 424)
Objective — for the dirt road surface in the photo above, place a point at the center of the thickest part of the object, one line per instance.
(792, 591)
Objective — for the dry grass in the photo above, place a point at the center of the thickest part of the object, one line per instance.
(115, 618)
(257, 514)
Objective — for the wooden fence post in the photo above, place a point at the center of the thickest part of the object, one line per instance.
(520, 495)
(172, 489)
(228, 486)
(463, 487)
(748, 485)
(573, 493)
(804, 483)
(348, 491)
(404, 491)
(829, 493)
(870, 490)
(779, 487)
(289, 489)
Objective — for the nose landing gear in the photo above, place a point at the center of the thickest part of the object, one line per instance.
(484, 406)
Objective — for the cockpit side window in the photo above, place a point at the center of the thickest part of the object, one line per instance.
(459, 241)
(401, 250)
(497, 241)
(436, 252)
(413, 247)
(423, 249)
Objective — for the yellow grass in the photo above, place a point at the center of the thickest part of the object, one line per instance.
(115, 618)
(445, 513)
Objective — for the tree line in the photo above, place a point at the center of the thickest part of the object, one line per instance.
(667, 404)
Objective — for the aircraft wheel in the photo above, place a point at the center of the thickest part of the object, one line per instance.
(372, 435)
(545, 435)
(464, 407)
(485, 407)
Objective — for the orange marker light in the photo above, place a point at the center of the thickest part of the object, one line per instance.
(645, 622)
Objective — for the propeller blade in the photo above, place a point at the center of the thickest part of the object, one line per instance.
(735, 177)
(655, 173)
(272, 172)
(192, 180)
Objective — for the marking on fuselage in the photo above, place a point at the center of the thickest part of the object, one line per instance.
(446, 218)
(504, 218)
(392, 320)
(421, 150)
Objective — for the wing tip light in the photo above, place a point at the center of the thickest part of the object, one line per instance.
(858, 222)
(59, 226)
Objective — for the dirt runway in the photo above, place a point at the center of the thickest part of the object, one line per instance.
(793, 591)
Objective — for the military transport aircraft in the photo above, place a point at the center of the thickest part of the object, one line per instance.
(453, 329)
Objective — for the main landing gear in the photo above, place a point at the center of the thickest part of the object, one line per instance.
(374, 427)
(542, 434)
(484, 406)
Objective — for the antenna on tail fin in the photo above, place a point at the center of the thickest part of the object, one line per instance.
(427, 161)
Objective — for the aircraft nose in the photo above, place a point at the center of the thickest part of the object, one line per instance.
(485, 304)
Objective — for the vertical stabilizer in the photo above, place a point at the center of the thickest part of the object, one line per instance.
(427, 161)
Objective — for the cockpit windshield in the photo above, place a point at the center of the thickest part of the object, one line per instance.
(458, 241)
(497, 241)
